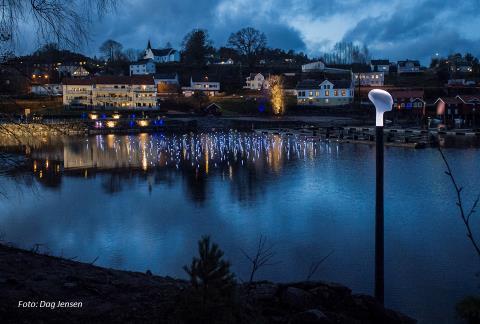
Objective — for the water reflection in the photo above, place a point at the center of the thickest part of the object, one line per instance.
(244, 159)
(142, 201)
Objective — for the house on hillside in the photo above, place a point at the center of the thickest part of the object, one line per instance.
(324, 93)
(167, 84)
(161, 55)
(207, 84)
(72, 71)
(380, 66)
(314, 66)
(408, 66)
(369, 79)
(256, 81)
(144, 66)
(46, 89)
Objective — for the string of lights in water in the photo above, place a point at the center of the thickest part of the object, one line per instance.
(195, 150)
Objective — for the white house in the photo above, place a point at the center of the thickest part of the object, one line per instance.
(369, 79)
(380, 66)
(324, 93)
(408, 66)
(47, 89)
(145, 66)
(204, 83)
(163, 55)
(111, 92)
(314, 66)
(256, 81)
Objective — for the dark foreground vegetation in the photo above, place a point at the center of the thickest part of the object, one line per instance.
(211, 296)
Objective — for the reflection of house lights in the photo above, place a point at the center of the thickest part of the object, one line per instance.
(93, 116)
(143, 123)
(116, 116)
(110, 124)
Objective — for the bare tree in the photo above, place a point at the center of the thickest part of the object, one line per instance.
(132, 54)
(249, 42)
(62, 21)
(315, 265)
(111, 50)
(465, 214)
(261, 258)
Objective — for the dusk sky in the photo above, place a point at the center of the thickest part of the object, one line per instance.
(398, 30)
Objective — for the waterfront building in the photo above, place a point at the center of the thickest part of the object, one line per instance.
(144, 66)
(369, 79)
(408, 99)
(459, 111)
(111, 92)
(207, 84)
(380, 66)
(325, 93)
(408, 66)
(256, 81)
(162, 55)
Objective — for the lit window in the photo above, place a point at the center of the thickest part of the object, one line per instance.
(310, 93)
(327, 93)
(335, 92)
(317, 93)
(344, 92)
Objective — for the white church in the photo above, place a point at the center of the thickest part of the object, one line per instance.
(161, 55)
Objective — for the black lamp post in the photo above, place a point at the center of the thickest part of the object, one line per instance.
(383, 102)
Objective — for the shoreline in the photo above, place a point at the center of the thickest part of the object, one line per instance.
(311, 129)
(86, 292)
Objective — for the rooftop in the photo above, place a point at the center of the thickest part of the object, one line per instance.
(111, 79)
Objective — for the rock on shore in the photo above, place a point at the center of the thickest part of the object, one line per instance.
(108, 295)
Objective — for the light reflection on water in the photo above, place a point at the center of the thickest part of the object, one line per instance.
(142, 201)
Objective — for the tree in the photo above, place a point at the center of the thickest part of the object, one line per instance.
(249, 42)
(209, 273)
(132, 54)
(277, 94)
(111, 50)
(347, 53)
(59, 21)
(196, 47)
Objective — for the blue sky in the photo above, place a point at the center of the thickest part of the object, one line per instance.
(395, 29)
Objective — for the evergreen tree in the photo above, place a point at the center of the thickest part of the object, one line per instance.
(209, 273)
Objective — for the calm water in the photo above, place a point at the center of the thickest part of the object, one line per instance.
(141, 202)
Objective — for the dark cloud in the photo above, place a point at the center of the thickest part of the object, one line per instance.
(394, 29)
(420, 29)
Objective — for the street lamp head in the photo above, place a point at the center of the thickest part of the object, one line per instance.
(382, 101)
